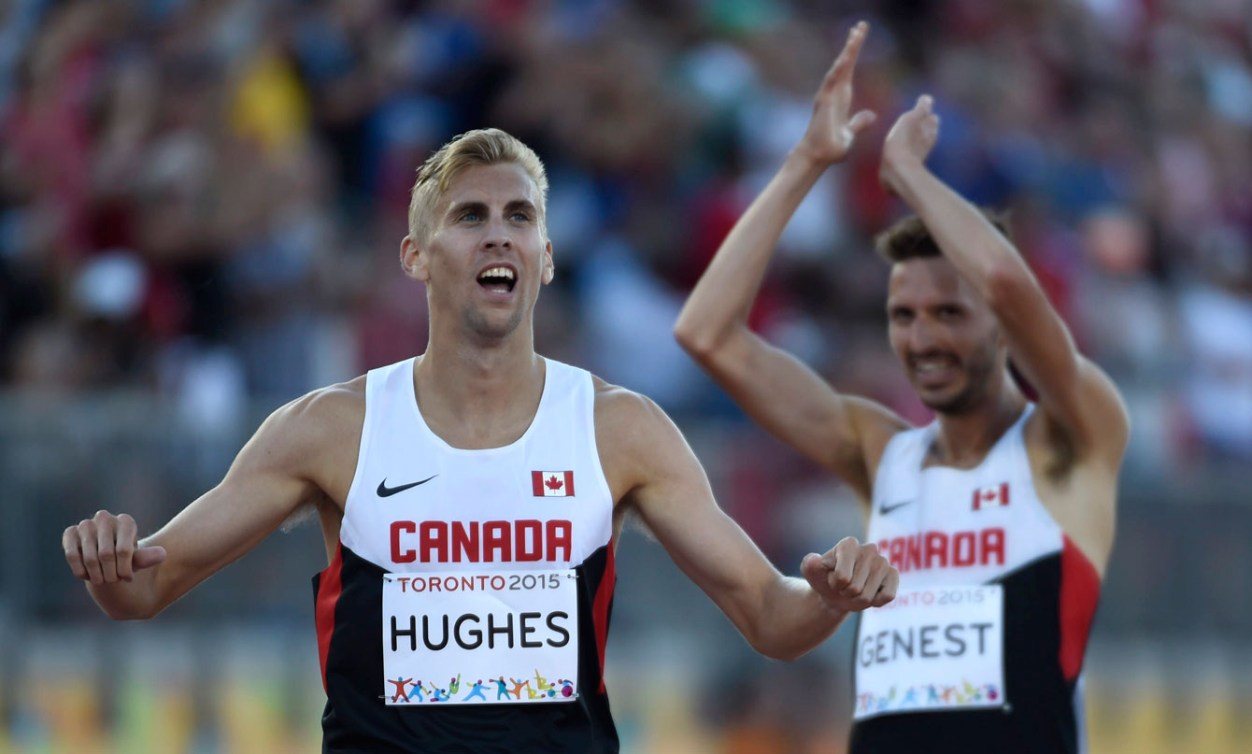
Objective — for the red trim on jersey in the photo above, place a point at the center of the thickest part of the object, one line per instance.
(329, 587)
(600, 606)
(1080, 591)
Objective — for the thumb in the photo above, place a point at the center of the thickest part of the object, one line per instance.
(817, 573)
(861, 121)
(814, 571)
(146, 557)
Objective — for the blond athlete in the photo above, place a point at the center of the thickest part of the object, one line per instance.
(471, 499)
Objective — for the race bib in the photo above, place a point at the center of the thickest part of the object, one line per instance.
(480, 638)
(930, 650)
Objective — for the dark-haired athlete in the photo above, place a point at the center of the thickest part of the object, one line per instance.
(999, 514)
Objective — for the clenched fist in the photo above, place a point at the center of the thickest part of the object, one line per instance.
(104, 549)
(851, 576)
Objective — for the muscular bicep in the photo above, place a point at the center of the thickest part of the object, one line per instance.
(792, 402)
(272, 476)
(665, 485)
(222, 525)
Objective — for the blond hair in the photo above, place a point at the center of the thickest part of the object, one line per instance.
(484, 146)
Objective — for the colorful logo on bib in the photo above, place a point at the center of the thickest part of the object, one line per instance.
(500, 689)
(929, 696)
(552, 483)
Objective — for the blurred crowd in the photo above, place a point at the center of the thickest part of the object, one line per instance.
(202, 202)
(204, 199)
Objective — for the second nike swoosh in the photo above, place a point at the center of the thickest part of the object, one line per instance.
(885, 509)
(385, 491)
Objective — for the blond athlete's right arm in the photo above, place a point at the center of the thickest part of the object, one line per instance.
(779, 392)
(288, 462)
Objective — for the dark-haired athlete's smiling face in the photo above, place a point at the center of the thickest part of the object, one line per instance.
(946, 337)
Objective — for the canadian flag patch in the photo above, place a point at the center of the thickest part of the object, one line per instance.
(988, 497)
(552, 483)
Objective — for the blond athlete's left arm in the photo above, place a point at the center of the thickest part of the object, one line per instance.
(653, 472)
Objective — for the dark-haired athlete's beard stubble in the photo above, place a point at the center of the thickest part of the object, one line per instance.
(978, 368)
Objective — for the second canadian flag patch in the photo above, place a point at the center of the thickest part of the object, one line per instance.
(552, 483)
(989, 497)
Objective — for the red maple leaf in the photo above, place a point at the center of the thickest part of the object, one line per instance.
(553, 483)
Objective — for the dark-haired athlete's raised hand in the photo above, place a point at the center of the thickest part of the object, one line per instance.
(104, 549)
(832, 129)
(909, 142)
(784, 395)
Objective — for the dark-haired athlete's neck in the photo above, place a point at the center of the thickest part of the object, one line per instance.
(965, 438)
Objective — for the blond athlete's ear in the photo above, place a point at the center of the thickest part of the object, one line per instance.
(549, 267)
(413, 260)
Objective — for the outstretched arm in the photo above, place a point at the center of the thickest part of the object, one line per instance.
(1078, 399)
(274, 474)
(653, 471)
(776, 389)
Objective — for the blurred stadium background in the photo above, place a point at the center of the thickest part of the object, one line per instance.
(201, 204)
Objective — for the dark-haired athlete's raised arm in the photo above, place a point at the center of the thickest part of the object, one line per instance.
(1083, 426)
(843, 433)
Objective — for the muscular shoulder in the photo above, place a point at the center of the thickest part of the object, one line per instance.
(323, 415)
(314, 435)
(330, 407)
(625, 411)
(635, 437)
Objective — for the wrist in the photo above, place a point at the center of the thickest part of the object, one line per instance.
(896, 175)
(808, 159)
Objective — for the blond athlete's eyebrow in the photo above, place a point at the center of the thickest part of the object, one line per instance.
(521, 204)
(457, 208)
(481, 207)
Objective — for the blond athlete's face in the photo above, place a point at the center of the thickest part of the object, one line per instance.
(487, 254)
(946, 337)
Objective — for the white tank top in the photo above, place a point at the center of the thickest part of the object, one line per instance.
(990, 623)
(456, 567)
(945, 525)
(417, 504)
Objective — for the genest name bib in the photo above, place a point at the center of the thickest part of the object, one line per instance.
(930, 650)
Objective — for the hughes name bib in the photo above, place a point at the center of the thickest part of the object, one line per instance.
(480, 638)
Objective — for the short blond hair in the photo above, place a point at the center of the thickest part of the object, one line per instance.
(484, 146)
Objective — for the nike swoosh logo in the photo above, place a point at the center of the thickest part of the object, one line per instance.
(885, 509)
(385, 491)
